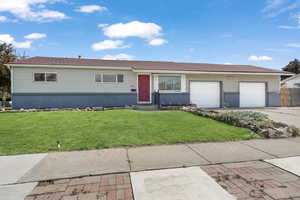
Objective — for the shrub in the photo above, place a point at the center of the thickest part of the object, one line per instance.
(257, 122)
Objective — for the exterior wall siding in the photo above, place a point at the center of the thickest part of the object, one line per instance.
(174, 98)
(71, 81)
(77, 88)
(273, 99)
(230, 86)
(231, 100)
(293, 83)
(231, 82)
(72, 100)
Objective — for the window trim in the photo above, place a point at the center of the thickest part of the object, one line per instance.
(45, 81)
(116, 78)
(169, 75)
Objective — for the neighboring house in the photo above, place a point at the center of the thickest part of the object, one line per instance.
(292, 82)
(45, 82)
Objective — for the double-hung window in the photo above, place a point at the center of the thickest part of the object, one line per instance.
(45, 77)
(109, 78)
(169, 83)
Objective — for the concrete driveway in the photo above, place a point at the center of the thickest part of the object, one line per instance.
(288, 115)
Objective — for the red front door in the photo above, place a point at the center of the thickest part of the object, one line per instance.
(144, 88)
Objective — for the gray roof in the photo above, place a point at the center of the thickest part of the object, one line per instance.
(145, 65)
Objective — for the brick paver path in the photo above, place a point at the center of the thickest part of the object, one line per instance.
(256, 180)
(105, 187)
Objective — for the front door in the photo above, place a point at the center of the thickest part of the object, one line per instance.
(144, 88)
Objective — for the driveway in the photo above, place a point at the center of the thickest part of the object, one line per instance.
(288, 115)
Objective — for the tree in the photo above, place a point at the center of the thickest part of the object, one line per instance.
(293, 66)
(7, 54)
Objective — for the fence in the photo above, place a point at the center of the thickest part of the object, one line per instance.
(290, 96)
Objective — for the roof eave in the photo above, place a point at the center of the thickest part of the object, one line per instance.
(205, 72)
(70, 66)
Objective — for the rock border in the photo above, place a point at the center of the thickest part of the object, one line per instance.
(262, 126)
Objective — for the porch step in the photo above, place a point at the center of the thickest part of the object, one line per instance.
(146, 107)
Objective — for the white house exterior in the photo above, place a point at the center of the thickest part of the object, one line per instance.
(44, 82)
(292, 82)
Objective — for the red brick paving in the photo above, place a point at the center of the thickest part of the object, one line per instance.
(105, 187)
(256, 180)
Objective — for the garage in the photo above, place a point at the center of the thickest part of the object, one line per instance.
(205, 94)
(252, 94)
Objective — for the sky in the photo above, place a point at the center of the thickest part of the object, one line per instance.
(258, 32)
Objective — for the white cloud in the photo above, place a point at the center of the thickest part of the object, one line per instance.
(6, 38)
(228, 63)
(260, 58)
(277, 50)
(31, 10)
(133, 29)
(157, 42)
(295, 45)
(109, 44)
(22, 45)
(91, 8)
(274, 8)
(272, 4)
(121, 56)
(34, 36)
(3, 18)
(102, 25)
(292, 27)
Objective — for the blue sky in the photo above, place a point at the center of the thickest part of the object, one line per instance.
(258, 32)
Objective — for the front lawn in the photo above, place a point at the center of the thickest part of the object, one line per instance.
(77, 130)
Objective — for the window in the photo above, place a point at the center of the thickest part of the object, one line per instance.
(120, 78)
(109, 78)
(169, 83)
(51, 77)
(39, 77)
(98, 78)
(45, 77)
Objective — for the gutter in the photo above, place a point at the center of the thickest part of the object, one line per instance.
(202, 72)
(146, 71)
(70, 66)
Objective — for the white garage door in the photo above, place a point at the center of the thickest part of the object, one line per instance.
(252, 95)
(205, 94)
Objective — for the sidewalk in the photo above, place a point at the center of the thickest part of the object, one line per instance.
(20, 174)
(60, 165)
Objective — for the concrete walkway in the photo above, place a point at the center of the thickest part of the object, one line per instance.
(59, 165)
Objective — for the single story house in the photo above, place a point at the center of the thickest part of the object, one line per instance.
(291, 82)
(48, 82)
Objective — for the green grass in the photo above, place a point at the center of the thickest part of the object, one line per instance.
(76, 130)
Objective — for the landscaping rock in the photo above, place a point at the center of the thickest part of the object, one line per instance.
(98, 108)
(257, 122)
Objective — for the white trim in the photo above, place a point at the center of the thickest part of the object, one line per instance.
(109, 73)
(144, 71)
(150, 88)
(182, 83)
(201, 72)
(11, 79)
(70, 67)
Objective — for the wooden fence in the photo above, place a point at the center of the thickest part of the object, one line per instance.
(290, 96)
